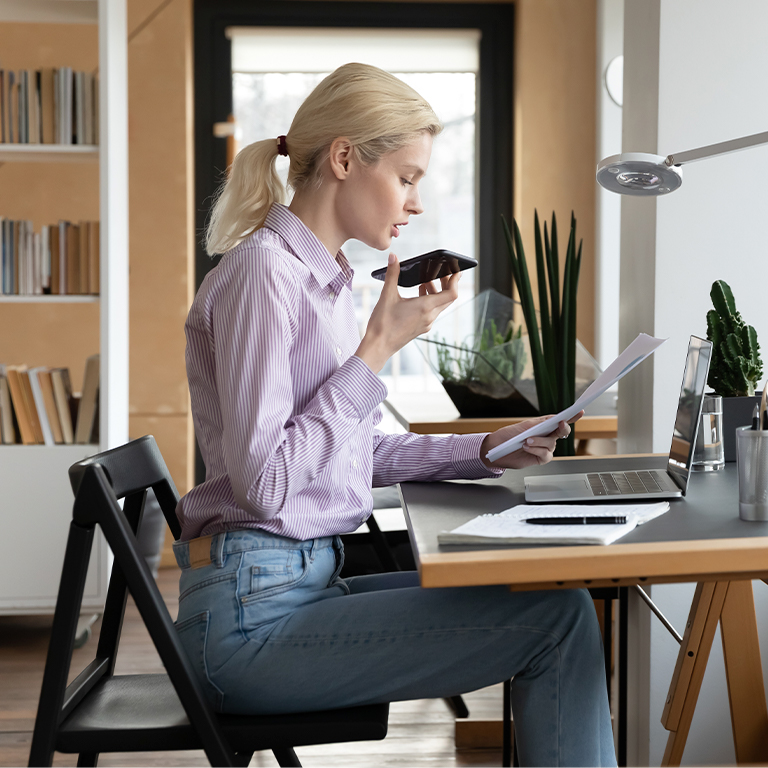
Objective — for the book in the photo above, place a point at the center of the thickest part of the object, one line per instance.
(62, 392)
(72, 258)
(7, 430)
(55, 262)
(49, 401)
(29, 399)
(18, 400)
(83, 240)
(510, 526)
(87, 411)
(47, 106)
(94, 260)
(40, 409)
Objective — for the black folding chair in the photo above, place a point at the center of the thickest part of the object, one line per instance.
(103, 712)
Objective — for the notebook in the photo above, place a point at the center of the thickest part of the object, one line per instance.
(641, 483)
(510, 526)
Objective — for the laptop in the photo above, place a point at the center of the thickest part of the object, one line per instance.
(642, 483)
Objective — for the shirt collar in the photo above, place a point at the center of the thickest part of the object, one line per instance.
(304, 244)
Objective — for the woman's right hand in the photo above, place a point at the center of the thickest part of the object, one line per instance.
(396, 320)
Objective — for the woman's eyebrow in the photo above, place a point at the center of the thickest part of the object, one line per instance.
(417, 169)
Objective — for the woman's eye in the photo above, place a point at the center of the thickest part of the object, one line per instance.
(405, 181)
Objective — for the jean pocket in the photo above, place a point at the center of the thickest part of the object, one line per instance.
(193, 635)
(269, 572)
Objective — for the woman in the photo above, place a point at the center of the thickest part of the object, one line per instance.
(285, 400)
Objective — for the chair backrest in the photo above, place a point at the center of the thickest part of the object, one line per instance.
(126, 472)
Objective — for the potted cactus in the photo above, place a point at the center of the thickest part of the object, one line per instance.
(736, 368)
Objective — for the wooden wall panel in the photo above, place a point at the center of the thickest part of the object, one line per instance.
(555, 125)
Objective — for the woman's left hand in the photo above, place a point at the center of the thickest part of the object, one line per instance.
(537, 450)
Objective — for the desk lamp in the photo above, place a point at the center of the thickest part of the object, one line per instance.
(646, 175)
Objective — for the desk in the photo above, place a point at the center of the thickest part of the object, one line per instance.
(701, 539)
(430, 413)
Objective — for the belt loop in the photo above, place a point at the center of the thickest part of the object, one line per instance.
(217, 549)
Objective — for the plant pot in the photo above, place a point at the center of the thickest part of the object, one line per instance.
(737, 412)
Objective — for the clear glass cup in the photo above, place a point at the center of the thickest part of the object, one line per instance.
(752, 458)
(708, 453)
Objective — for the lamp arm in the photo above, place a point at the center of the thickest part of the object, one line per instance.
(723, 148)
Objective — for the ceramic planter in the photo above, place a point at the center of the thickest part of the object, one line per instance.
(737, 412)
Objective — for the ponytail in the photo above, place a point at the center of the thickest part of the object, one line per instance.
(243, 202)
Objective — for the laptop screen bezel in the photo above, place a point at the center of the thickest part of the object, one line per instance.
(703, 348)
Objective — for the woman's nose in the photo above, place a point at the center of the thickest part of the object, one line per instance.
(413, 203)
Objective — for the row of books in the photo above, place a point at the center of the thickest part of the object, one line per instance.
(49, 106)
(38, 407)
(61, 259)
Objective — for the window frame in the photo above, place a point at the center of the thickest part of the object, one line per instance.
(494, 168)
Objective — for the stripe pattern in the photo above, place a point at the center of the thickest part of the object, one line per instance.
(285, 414)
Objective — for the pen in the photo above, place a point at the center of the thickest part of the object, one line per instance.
(576, 520)
(756, 418)
(764, 405)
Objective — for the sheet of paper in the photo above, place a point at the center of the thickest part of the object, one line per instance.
(510, 526)
(643, 346)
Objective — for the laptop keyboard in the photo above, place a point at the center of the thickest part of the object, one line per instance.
(617, 483)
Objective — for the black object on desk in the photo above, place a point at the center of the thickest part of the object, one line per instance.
(577, 520)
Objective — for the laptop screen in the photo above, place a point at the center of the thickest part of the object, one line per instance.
(688, 413)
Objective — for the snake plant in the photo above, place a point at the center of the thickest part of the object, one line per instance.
(553, 340)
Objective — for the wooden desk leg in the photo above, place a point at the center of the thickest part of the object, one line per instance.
(730, 603)
(691, 664)
(744, 673)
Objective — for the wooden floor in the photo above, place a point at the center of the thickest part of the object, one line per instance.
(420, 732)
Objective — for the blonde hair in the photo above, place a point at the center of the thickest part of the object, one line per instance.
(376, 111)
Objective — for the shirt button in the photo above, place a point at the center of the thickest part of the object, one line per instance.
(331, 296)
(354, 462)
(338, 351)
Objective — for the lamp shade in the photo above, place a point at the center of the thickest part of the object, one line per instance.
(639, 174)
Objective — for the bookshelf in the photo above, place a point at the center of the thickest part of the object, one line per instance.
(37, 500)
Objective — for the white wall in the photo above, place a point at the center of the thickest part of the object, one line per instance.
(695, 73)
(610, 44)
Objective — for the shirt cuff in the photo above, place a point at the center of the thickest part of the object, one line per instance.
(361, 386)
(465, 457)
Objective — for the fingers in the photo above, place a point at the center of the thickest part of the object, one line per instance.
(393, 273)
(540, 447)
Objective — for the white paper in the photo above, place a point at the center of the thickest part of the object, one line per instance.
(509, 526)
(643, 346)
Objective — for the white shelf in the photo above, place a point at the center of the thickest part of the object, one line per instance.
(49, 153)
(48, 299)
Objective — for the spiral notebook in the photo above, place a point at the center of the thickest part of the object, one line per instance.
(510, 526)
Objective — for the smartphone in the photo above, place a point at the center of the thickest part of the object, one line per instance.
(427, 267)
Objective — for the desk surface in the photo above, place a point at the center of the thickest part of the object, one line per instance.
(701, 538)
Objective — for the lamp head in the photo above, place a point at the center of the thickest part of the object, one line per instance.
(638, 173)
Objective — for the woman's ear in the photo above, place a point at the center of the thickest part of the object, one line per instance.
(340, 157)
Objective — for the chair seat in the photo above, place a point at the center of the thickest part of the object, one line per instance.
(132, 713)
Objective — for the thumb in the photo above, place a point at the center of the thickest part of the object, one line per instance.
(393, 273)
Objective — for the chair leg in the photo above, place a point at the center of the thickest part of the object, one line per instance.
(286, 757)
(458, 706)
(381, 546)
(88, 759)
(506, 741)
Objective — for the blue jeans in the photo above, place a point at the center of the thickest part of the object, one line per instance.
(270, 627)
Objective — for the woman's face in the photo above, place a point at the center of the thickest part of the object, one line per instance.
(377, 200)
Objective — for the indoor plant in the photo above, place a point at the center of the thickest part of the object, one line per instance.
(481, 357)
(736, 368)
(554, 352)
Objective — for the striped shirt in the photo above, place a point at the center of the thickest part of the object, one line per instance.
(285, 414)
